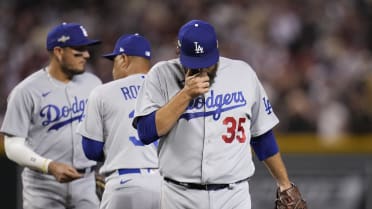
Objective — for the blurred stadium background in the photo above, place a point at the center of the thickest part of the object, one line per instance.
(313, 56)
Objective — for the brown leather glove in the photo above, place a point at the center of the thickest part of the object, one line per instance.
(290, 199)
(100, 185)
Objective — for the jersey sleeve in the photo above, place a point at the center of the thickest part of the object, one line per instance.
(18, 115)
(263, 116)
(92, 125)
(150, 97)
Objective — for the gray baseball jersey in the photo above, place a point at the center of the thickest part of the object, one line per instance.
(46, 112)
(108, 120)
(211, 139)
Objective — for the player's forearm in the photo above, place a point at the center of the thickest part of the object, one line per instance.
(168, 115)
(17, 151)
(278, 171)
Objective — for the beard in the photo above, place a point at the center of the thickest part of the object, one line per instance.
(211, 74)
(70, 71)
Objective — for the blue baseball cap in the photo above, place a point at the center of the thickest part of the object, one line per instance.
(198, 45)
(68, 34)
(131, 45)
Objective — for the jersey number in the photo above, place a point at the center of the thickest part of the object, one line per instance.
(233, 130)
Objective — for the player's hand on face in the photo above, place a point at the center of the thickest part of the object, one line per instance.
(196, 84)
(63, 172)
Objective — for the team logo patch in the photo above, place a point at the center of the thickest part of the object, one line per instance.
(268, 107)
(122, 181)
(63, 39)
(198, 49)
(45, 93)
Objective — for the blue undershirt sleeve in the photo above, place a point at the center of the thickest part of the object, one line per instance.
(93, 149)
(265, 145)
(146, 128)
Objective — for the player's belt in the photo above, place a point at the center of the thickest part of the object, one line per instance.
(128, 171)
(124, 171)
(86, 170)
(204, 186)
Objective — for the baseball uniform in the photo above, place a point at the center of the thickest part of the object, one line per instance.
(210, 142)
(46, 112)
(130, 167)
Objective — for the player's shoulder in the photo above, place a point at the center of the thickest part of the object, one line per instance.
(226, 62)
(30, 85)
(169, 67)
(229, 64)
(34, 80)
(166, 64)
(110, 87)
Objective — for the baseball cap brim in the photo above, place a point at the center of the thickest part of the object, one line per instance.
(110, 56)
(201, 61)
(87, 42)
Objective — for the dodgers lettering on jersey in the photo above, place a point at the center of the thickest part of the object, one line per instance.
(220, 103)
(60, 116)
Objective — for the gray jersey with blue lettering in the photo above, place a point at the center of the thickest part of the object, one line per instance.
(46, 112)
(210, 143)
(109, 117)
(108, 120)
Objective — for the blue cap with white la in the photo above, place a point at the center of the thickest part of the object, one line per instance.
(198, 45)
(69, 35)
(131, 45)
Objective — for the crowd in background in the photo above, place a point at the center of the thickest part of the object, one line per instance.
(313, 56)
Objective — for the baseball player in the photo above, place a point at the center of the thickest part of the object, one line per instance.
(40, 125)
(207, 111)
(130, 167)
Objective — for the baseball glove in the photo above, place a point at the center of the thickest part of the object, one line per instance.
(100, 185)
(289, 199)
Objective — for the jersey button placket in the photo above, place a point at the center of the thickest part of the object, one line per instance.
(207, 145)
(204, 174)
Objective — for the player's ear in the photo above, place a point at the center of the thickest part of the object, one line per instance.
(178, 50)
(125, 60)
(57, 51)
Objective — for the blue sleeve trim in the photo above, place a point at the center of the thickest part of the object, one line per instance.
(93, 149)
(265, 145)
(146, 128)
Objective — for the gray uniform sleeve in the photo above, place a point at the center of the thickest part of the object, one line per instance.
(92, 126)
(150, 97)
(263, 116)
(18, 114)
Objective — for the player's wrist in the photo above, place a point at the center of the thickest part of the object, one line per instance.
(45, 165)
(186, 95)
(285, 185)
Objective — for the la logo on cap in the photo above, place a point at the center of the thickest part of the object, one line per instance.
(198, 49)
